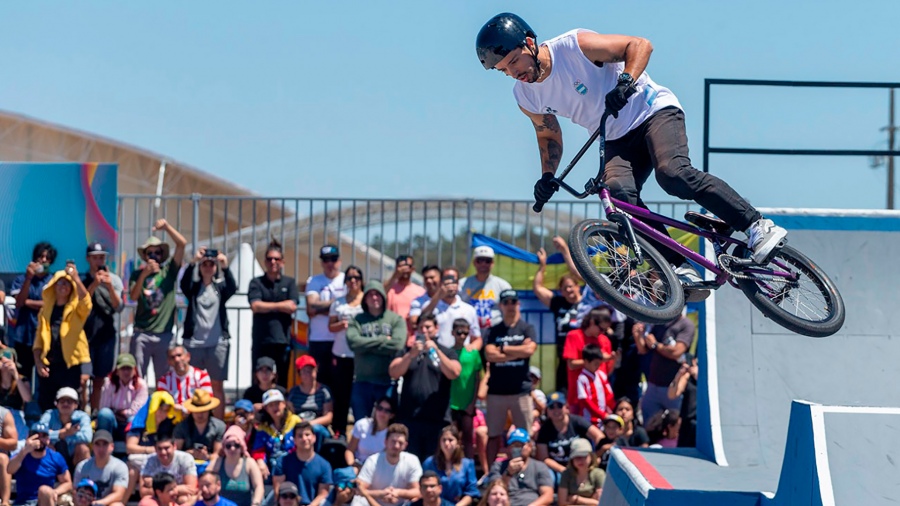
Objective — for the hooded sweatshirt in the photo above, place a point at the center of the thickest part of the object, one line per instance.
(375, 340)
(71, 330)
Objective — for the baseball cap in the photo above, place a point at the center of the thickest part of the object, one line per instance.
(614, 418)
(556, 398)
(509, 295)
(483, 252)
(329, 250)
(39, 428)
(518, 436)
(126, 360)
(273, 395)
(265, 362)
(343, 475)
(535, 371)
(95, 248)
(102, 435)
(288, 488)
(67, 392)
(244, 404)
(580, 447)
(305, 360)
(88, 483)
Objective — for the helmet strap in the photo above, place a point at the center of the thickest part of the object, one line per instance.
(535, 50)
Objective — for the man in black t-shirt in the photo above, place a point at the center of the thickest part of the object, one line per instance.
(273, 299)
(558, 432)
(667, 345)
(427, 368)
(508, 348)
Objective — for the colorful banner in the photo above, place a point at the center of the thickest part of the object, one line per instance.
(66, 204)
(518, 266)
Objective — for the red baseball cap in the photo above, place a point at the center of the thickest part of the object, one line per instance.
(304, 361)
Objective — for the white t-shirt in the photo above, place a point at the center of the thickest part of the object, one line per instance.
(345, 312)
(446, 313)
(327, 289)
(576, 89)
(380, 474)
(369, 444)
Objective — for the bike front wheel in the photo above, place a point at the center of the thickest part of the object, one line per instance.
(648, 291)
(806, 301)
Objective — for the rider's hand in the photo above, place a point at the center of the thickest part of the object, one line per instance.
(544, 188)
(618, 97)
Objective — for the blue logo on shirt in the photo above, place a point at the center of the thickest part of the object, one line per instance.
(580, 87)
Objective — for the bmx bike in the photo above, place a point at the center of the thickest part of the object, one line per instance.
(617, 261)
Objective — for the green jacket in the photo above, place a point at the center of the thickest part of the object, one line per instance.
(375, 340)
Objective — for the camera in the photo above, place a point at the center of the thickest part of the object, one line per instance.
(211, 253)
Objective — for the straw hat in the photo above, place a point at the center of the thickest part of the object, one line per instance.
(201, 401)
(154, 242)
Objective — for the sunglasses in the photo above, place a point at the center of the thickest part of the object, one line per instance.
(287, 496)
(555, 405)
(484, 260)
(150, 252)
(329, 260)
(509, 302)
(273, 259)
(383, 409)
(462, 332)
(232, 446)
(345, 485)
(354, 278)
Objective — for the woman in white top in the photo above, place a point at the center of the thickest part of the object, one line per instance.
(368, 433)
(342, 310)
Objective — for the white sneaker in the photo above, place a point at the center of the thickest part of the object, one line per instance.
(688, 275)
(764, 236)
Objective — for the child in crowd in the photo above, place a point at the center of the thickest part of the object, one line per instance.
(595, 395)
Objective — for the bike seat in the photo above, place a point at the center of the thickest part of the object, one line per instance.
(708, 222)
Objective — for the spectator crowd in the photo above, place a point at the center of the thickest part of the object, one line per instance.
(422, 394)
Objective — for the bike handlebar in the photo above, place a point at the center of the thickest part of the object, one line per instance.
(599, 133)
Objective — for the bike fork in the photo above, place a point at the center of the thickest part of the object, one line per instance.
(630, 238)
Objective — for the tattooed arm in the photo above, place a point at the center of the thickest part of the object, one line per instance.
(634, 51)
(549, 137)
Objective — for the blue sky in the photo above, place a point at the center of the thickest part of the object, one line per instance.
(387, 99)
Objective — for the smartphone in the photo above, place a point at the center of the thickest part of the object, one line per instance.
(101, 268)
(70, 261)
(199, 446)
(515, 452)
(683, 358)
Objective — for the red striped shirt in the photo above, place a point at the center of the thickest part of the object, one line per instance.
(182, 387)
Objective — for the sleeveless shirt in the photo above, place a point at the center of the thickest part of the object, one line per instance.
(576, 89)
(238, 490)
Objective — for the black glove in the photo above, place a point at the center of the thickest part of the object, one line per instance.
(544, 188)
(618, 97)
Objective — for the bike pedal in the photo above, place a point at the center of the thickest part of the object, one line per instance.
(696, 294)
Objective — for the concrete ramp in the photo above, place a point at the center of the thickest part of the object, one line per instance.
(754, 443)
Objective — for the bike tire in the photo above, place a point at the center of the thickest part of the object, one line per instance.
(775, 305)
(592, 240)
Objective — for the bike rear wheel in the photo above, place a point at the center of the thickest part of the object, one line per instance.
(648, 292)
(809, 304)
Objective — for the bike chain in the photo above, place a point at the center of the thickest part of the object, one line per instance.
(725, 259)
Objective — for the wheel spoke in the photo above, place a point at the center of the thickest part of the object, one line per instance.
(803, 296)
(613, 259)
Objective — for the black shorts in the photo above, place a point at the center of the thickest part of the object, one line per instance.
(103, 357)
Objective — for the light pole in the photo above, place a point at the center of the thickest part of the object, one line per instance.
(890, 159)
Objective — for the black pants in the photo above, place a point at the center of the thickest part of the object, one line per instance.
(423, 437)
(341, 392)
(562, 366)
(661, 143)
(59, 377)
(26, 357)
(464, 421)
(277, 352)
(321, 351)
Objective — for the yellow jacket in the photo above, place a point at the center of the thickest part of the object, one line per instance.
(71, 329)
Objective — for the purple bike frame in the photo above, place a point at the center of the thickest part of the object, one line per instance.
(635, 214)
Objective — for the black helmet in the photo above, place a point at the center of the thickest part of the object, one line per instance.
(500, 35)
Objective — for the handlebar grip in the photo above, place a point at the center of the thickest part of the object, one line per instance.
(537, 207)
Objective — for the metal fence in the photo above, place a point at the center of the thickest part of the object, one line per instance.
(369, 233)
